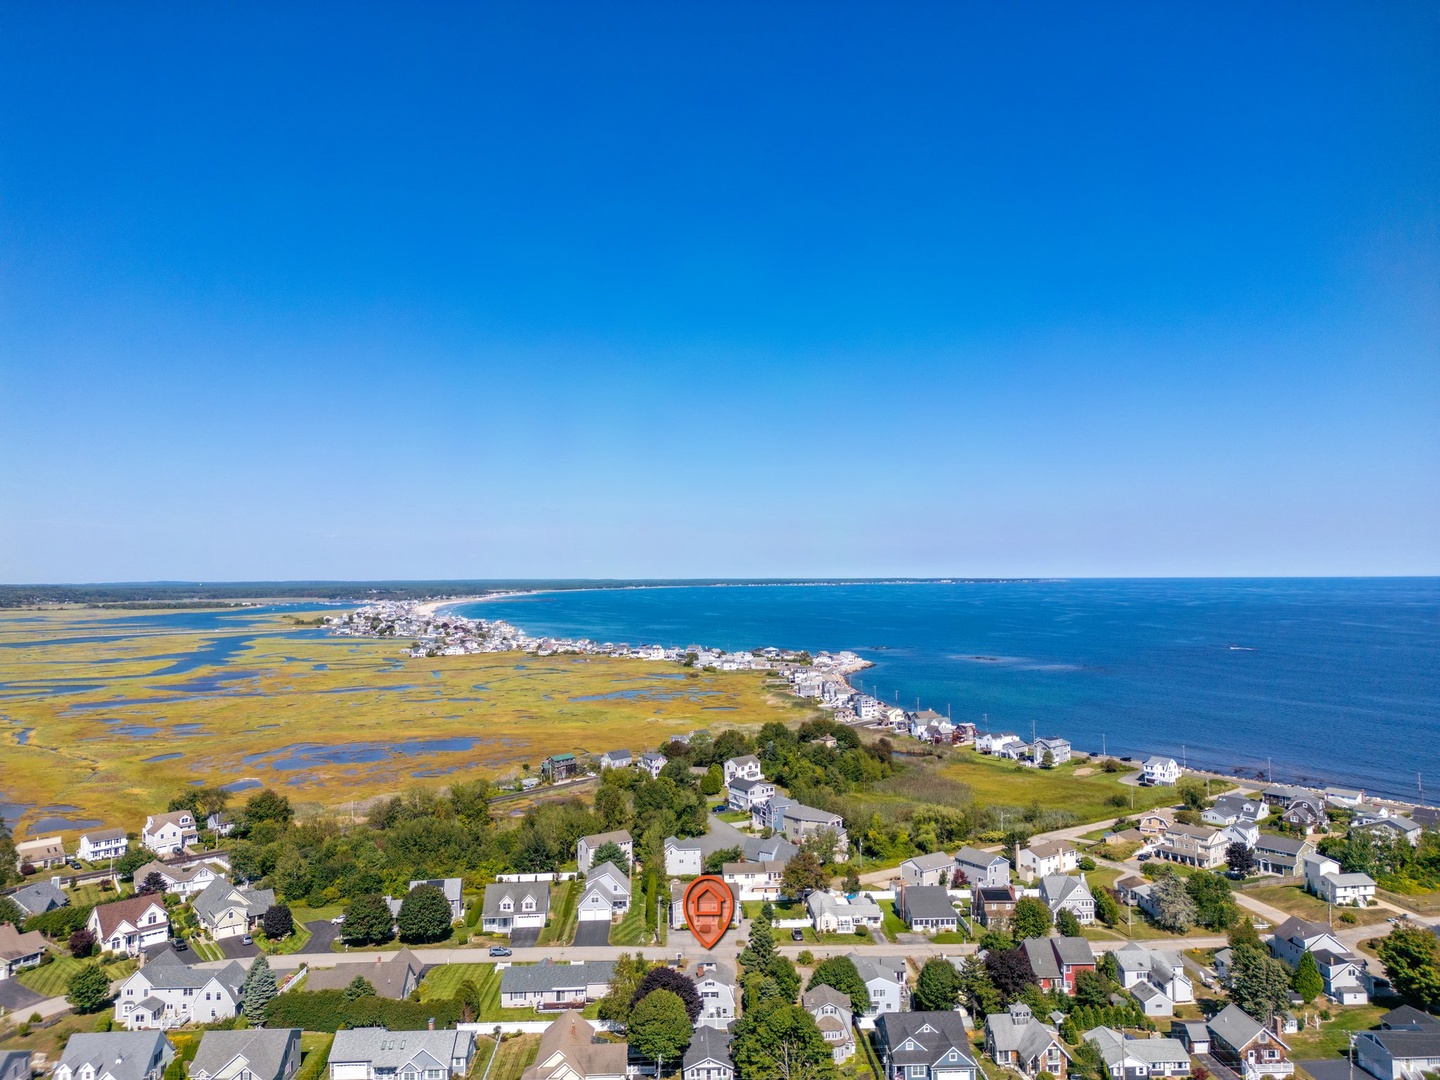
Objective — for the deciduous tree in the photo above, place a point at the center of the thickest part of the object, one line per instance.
(1174, 909)
(1030, 919)
(1240, 859)
(779, 1041)
(938, 987)
(676, 982)
(367, 920)
(1010, 972)
(89, 989)
(1412, 959)
(82, 944)
(630, 971)
(659, 1027)
(278, 922)
(839, 972)
(803, 875)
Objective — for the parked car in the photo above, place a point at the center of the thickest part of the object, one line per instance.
(180, 944)
(797, 934)
(338, 920)
(499, 950)
(247, 940)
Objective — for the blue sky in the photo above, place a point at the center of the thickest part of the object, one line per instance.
(349, 291)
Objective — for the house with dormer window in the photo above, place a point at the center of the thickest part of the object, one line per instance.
(130, 926)
(169, 834)
(925, 1046)
(376, 1054)
(252, 1054)
(606, 895)
(168, 993)
(834, 1016)
(509, 905)
(115, 1055)
(1014, 1039)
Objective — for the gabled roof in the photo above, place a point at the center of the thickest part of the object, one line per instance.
(708, 1044)
(393, 1049)
(1298, 929)
(16, 946)
(178, 818)
(39, 898)
(220, 894)
(392, 979)
(95, 836)
(1408, 1018)
(1056, 889)
(618, 837)
(1237, 1028)
(166, 971)
(743, 760)
(568, 1045)
(541, 978)
(935, 860)
(125, 1055)
(1407, 1044)
(975, 857)
(823, 995)
(264, 1051)
(927, 902)
(517, 891)
(740, 783)
(111, 915)
(925, 1038)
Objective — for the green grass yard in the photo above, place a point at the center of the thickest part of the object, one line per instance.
(1296, 901)
(1333, 1038)
(515, 1055)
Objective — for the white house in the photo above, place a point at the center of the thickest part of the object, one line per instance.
(130, 926)
(169, 834)
(1056, 747)
(19, 951)
(754, 880)
(115, 1055)
(652, 764)
(184, 882)
(168, 993)
(253, 1054)
(586, 847)
(884, 978)
(616, 759)
(607, 894)
(225, 911)
(374, 1054)
(716, 985)
(746, 767)
(1342, 971)
(746, 795)
(1160, 970)
(993, 743)
(1063, 892)
(511, 905)
(1160, 770)
(706, 1058)
(1043, 858)
(43, 853)
(1127, 1057)
(1324, 879)
(102, 844)
(683, 858)
(833, 914)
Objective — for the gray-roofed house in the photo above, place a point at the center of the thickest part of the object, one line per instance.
(511, 905)
(1191, 1034)
(746, 765)
(1388, 824)
(15, 1065)
(745, 795)
(798, 822)
(884, 977)
(454, 890)
(615, 759)
(925, 1046)
(1064, 892)
(834, 1016)
(1057, 960)
(1162, 970)
(1246, 1046)
(1397, 1054)
(167, 992)
(1228, 809)
(606, 895)
(677, 905)
(19, 951)
(373, 1053)
(708, 1056)
(551, 986)
(225, 911)
(1014, 1039)
(586, 847)
(684, 858)
(927, 908)
(115, 1055)
(834, 914)
(652, 763)
(982, 867)
(1408, 1018)
(252, 1054)
(393, 979)
(169, 833)
(569, 1051)
(936, 868)
(183, 881)
(1281, 854)
(1137, 1059)
(39, 898)
(715, 982)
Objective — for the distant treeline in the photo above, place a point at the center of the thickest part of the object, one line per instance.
(178, 594)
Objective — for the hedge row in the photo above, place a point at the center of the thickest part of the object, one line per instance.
(327, 1010)
(59, 924)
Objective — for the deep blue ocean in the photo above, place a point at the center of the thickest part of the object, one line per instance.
(1327, 680)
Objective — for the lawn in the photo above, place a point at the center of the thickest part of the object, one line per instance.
(893, 924)
(52, 980)
(442, 981)
(115, 755)
(1333, 1038)
(1296, 901)
(51, 1039)
(560, 930)
(296, 941)
(630, 930)
(515, 1055)
(1142, 929)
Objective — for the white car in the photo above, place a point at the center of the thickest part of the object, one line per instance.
(337, 920)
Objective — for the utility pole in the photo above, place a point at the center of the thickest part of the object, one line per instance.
(1184, 757)
(1103, 752)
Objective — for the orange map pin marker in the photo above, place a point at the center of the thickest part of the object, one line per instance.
(709, 907)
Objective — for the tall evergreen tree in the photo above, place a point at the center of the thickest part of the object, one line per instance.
(257, 991)
(1307, 981)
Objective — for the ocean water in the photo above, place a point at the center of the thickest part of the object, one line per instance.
(1320, 681)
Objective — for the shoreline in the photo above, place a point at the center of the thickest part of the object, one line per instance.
(837, 669)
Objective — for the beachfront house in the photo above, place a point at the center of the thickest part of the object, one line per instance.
(169, 834)
(514, 905)
(982, 867)
(1051, 748)
(1308, 813)
(1160, 770)
(98, 845)
(586, 847)
(1281, 854)
(1382, 823)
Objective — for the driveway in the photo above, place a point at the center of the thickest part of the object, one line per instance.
(525, 937)
(234, 950)
(322, 935)
(593, 932)
(13, 996)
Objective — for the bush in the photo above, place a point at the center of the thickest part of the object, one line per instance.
(327, 1010)
(424, 915)
(1348, 917)
(278, 922)
(82, 944)
(806, 958)
(59, 924)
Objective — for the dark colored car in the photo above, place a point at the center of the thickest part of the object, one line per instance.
(797, 934)
(181, 944)
(499, 950)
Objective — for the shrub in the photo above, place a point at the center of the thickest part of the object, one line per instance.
(806, 958)
(1348, 917)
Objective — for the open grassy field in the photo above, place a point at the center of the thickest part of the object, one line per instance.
(105, 715)
(1089, 793)
(1296, 901)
